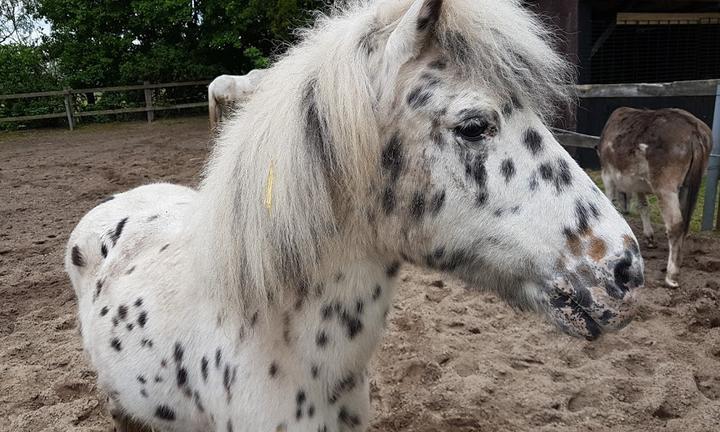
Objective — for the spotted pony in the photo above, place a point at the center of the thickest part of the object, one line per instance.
(394, 132)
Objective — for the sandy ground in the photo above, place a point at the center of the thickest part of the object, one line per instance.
(452, 360)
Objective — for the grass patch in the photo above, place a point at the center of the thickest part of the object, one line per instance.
(655, 215)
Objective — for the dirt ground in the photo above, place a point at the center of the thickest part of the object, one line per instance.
(451, 361)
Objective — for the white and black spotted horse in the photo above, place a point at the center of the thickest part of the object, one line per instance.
(397, 131)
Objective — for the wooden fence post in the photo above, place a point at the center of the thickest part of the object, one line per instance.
(148, 102)
(713, 171)
(69, 108)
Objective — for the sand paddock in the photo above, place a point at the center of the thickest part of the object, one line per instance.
(452, 360)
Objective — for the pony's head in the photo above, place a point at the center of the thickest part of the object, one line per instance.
(417, 131)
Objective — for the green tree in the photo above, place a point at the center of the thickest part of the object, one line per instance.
(105, 42)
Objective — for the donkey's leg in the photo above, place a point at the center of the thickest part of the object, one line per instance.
(644, 210)
(623, 202)
(609, 187)
(670, 208)
(122, 422)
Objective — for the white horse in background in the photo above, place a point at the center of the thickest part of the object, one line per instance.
(226, 91)
(396, 131)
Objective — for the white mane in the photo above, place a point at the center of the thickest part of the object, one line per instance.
(312, 129)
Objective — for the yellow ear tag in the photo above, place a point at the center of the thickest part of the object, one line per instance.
(269, 186)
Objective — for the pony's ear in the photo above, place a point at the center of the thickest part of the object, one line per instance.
(409, 37)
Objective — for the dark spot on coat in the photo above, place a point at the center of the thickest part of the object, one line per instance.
(104, 311)
(98, 289)
(143, 393)
(198, 402)
(142, 319)
(130, 326)
(388, 200)
(418, 98)
(314, 371)
(507, 168)
(115, 343)
(300, 397)
(141, 379)
(115, 235)
(77, 257)
(162, 249)
(564, 177)
(181, 377)
(481, 198)
(533, 184)
(377, 292)
(326, 312)
(164, 412)
(204, 368)
(533, 141)
(130, 270)
(437, 202)
(583, 217)
(321, 339)
(122, 312)
(348, 419)
(218, 358)
(341, 387)
(354, 327)
(311, 411)
(392, 157)
(178, 352)
(475, 170)
(546, 171)
(138, 302)
(417, 206)
(103, 250)
(273, 369)
(392, 270)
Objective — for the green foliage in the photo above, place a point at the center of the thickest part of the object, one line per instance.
(26, 69)
(99, 43)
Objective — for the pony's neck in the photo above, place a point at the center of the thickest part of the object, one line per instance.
(338, 322)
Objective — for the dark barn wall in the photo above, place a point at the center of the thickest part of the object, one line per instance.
(582, 22)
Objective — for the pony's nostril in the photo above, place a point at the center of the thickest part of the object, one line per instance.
(627, 276)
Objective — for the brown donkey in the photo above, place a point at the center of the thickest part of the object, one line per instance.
(664, 152)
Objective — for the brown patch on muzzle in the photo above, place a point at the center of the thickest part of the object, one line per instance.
(597, 249)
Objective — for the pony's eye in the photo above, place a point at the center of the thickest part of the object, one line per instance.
(472, 130)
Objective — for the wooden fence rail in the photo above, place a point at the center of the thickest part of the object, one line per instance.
(71, 114)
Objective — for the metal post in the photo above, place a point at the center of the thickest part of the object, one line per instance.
(69, 109)
(148, 102)
(713, 171)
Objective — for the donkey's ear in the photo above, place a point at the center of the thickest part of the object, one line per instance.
(407, 40)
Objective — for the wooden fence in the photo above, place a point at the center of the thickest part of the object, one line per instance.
(566, 138)
(71, 114)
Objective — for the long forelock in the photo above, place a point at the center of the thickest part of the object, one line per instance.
(508, 49)
(306, 144)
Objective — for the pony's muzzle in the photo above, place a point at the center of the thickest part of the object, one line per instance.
(592, 297)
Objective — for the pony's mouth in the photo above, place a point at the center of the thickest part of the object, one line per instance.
(572, 318)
